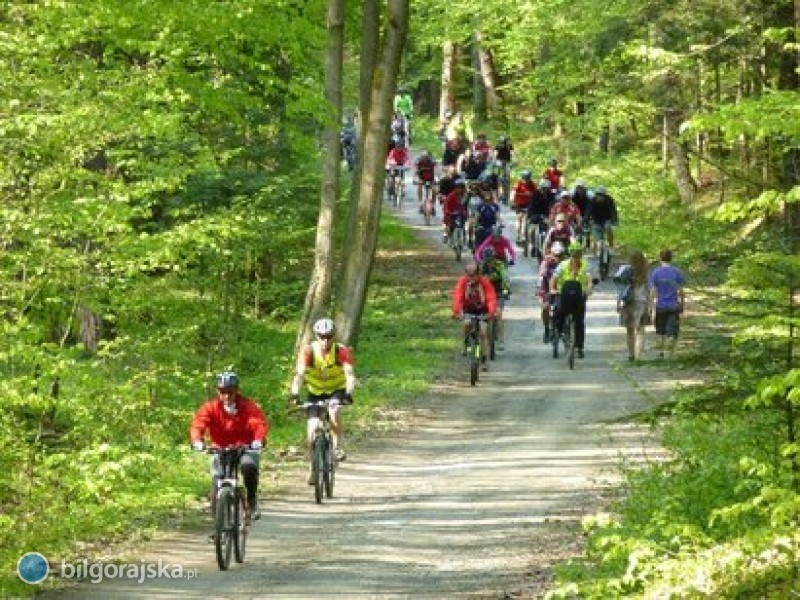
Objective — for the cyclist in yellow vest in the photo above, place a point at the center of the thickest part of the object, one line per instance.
(571, 282)
(326, 367)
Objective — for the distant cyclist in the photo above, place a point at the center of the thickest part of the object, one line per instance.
(231, 419)
(497, 272)
(425, 167)
(565, 206)
(547, 267)
(504, 154)
(521, 197)
(553, 174)
(454, 206)
(327, 369)
(487, 215)
(503, 249)
(602, 213)
(559, 232)
(474, 294)
(581, 195)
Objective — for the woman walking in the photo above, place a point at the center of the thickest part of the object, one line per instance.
(633, 302)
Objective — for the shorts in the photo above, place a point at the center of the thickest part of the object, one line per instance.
(667, 322)
(315, 412)
(634, 314)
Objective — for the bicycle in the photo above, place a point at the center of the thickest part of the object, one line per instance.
(323, 457)
(603, 255)
(565, 335)
(399, 187)
(232, 513)
(457, 235)
(535, 234)
(472, 343)
(428, 207)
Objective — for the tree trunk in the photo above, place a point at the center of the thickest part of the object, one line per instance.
(447, 101)
(478, 90)
(318, 295)
(490, 79)
(360, 248)
(679, 156)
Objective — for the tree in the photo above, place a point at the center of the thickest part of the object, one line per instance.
(360, 247)
(319, 288)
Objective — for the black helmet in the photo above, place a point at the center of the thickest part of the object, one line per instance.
(227, 380)
(460, 183)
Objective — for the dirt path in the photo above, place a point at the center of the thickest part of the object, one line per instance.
(478, 500)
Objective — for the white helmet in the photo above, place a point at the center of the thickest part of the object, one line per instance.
(324, 326)
(558, 248)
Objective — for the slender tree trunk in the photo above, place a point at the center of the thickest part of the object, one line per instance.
(447, 101)
(490, 79)
(318, 295)
(360, 250)
(679, 156)
(478, 90)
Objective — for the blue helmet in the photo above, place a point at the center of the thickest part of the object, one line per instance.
(227, 380)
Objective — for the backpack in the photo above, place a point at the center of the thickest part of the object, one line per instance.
(623, 278)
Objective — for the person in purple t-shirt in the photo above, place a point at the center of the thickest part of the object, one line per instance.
(666, 293)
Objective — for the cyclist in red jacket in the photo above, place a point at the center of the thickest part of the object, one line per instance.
(474, 294)
(231, 419)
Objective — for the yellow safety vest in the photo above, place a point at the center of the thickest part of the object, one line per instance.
(325, 375)
(566, 275)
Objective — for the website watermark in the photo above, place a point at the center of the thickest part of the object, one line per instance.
(34, 568)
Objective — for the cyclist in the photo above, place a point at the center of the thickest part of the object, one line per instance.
(572, 284)
(539, 210)
(602, 213)
(549, 263)
(666, 292)
(565, 206)
(581, 195)
(398, 127)
(425, 167)
(396, 163)
(474, 294)
(486, 216)
(453, 206)
(489, 180)
(521, 197)
(481, 149)
(327, 368)
(231, 419)
(469, 166)
(453, 149)
(496, 271)
(549, 192)
(559, 232)
(503, 249)
(553, 174)
(504, 154)
(404, 105)
(348, 142)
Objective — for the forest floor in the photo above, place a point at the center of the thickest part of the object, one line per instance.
(471, 492)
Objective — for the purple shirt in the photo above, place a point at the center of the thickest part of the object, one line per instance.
(666, 280)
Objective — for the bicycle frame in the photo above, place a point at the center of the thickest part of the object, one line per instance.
(323, 458)
(473, 344)
(232, 514)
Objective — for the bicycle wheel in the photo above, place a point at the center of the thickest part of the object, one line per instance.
(318, 467)
(492, 339)
(458, 242)
(605, 259)
(223, 522)
(569, 340)
(555, 338)
(241, 529)
(330, 467)
(475, 363)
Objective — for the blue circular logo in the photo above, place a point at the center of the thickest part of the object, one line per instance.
(32, 568)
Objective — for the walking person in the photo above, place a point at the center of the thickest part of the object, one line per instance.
(666, 292)
(633, 302)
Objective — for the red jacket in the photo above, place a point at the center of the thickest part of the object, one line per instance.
(247, 425)
(487, 294)
(523, 192)
(453, 203)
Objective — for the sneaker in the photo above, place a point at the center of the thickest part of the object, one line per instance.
(341, 455)
(255, 512)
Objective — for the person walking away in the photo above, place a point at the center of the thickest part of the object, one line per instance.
(633, 302)
(327, 369)
(474, 294)
(231, 419)
(667, 295)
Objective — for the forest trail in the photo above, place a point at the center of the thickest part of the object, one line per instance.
(478, 499)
